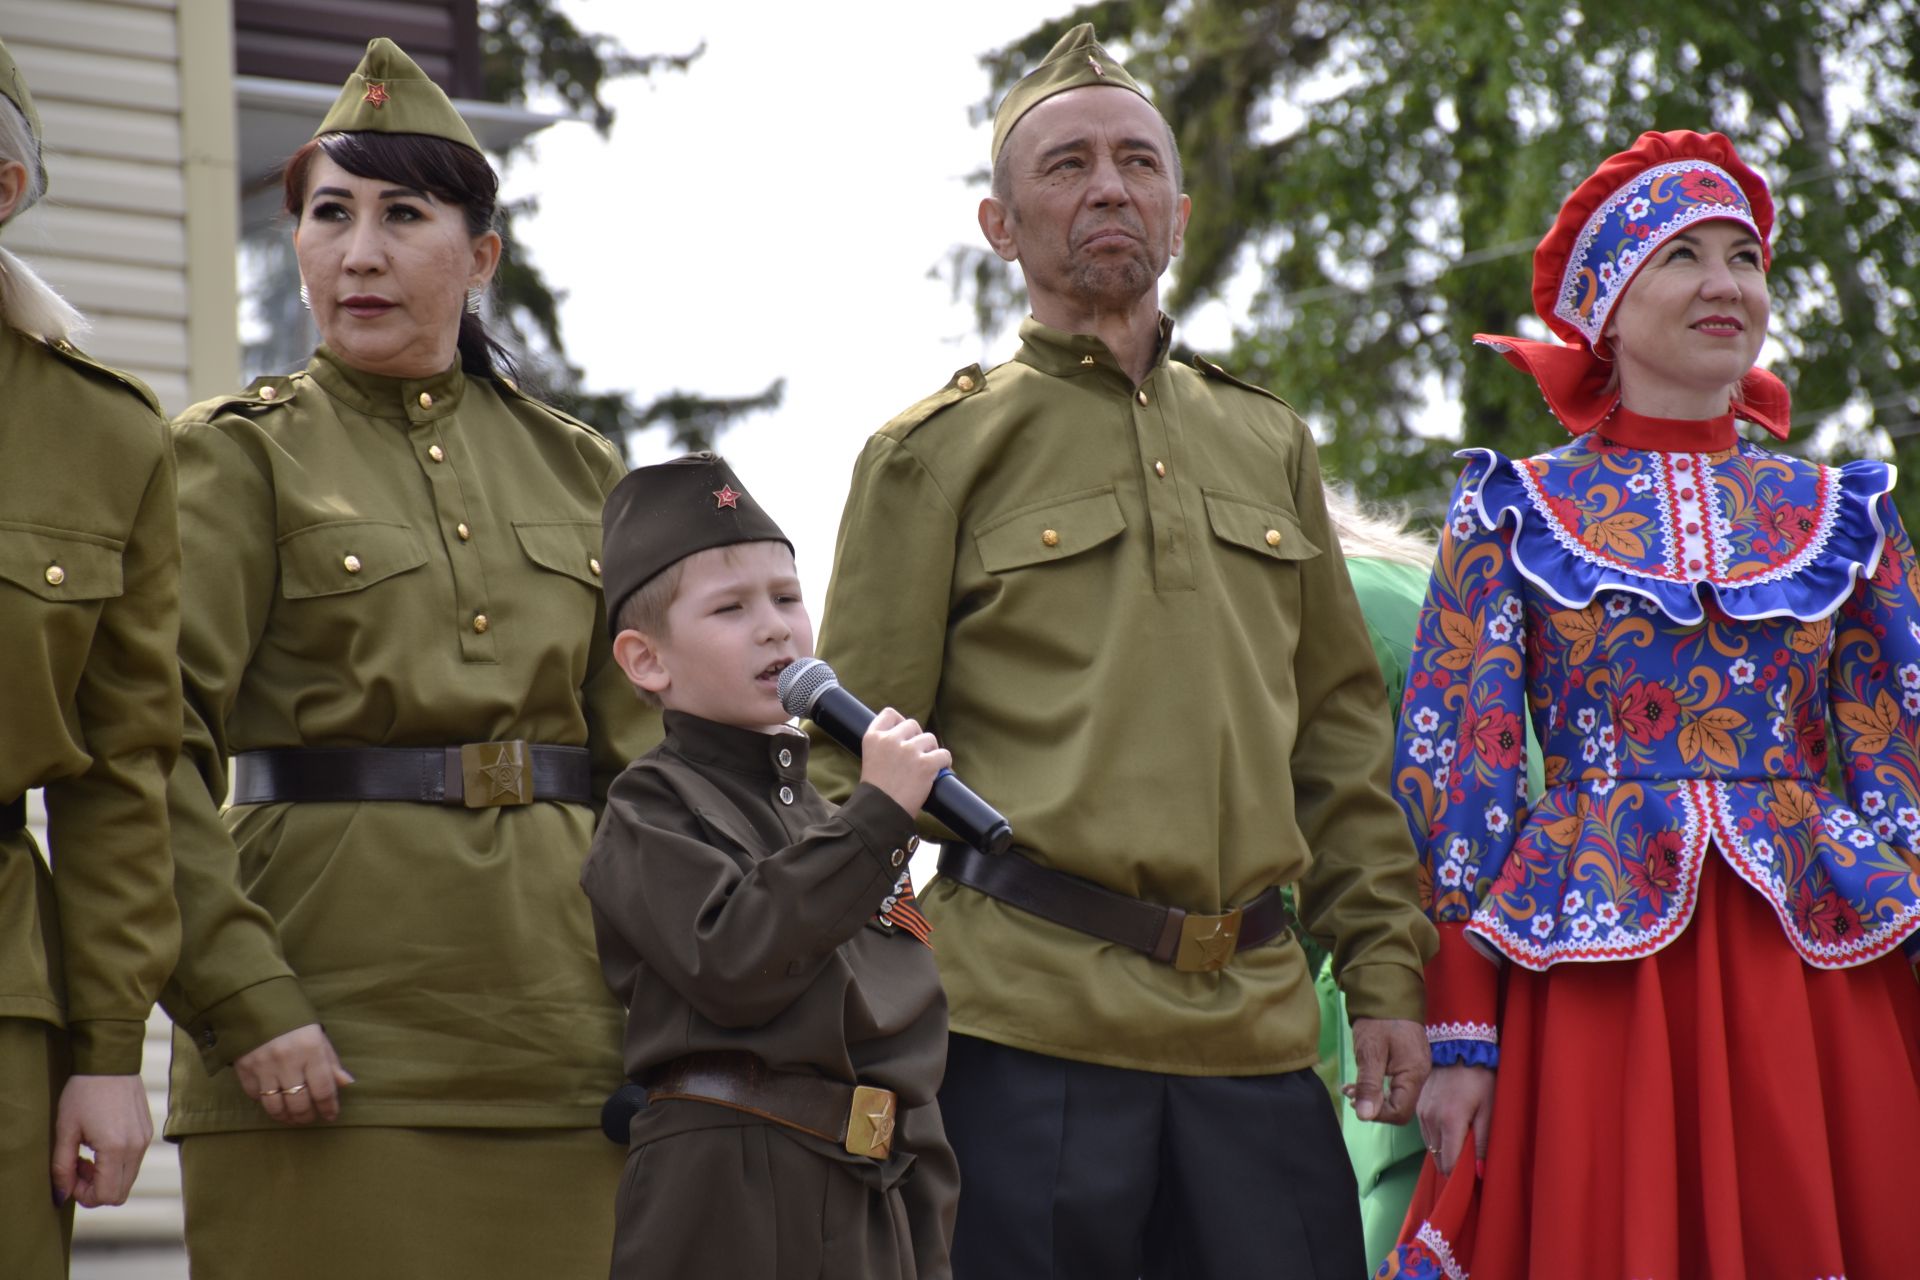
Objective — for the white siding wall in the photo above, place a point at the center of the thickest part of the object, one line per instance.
(112, 233)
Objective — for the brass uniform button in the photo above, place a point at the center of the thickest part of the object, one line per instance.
(1273, 537)
(1141, 396)
(593, 565)
(1160, 468)
(426, 400)
(964, 382)
(1088, 360)
(1051, 537)
(352, 563)
(55, 575)
(463, 531)
(268, 393)
(437, 453)
(480, 624)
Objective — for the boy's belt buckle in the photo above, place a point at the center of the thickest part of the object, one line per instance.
(1207, 942)
(870, 1122)
(493, 774)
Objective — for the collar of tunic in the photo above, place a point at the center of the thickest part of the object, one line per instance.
(750, 752)
(379, 396)
(1071, 355)
(1632, 430)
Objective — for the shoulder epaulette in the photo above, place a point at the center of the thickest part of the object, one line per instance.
(268, 391)
(509, 389)
(75, 356)
(1214, 371)
(965, 382)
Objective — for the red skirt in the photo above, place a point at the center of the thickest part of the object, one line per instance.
(1719, 1110)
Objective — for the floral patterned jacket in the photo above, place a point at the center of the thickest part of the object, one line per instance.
(1679, 627)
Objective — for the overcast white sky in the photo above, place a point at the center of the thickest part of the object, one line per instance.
(774, 211)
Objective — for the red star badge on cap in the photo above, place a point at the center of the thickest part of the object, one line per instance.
(376, 94)
(724, 496)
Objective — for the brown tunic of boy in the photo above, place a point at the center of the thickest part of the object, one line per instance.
(738, 911)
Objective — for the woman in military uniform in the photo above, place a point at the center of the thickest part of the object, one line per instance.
(394, 1039)
(90, 714)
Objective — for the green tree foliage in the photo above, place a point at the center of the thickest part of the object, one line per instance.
(529, 48)
(1381, 172)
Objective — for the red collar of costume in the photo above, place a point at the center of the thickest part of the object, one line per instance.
(1668, 435)
(1574, 382)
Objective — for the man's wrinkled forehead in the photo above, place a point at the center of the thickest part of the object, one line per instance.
(1083, 118)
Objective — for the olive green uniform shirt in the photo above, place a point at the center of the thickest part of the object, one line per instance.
(89, 697)
(1123, 610)
(377, 562)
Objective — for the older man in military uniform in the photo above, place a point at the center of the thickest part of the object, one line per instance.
(1091, 571)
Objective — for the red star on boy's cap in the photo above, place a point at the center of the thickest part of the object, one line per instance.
(724, 496)
(377, 95)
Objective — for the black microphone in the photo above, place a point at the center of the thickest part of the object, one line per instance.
(809, 689)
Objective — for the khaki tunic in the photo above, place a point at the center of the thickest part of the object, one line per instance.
(1123, 610)
(371, 561)
(89, 699)
(735, 910)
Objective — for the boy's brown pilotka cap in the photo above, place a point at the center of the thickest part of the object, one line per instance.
(13, 86)
(389, 93)
(662, 514)
(1075, 60)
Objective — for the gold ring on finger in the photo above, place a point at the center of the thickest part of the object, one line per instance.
(268, 1093)
(293, 1089)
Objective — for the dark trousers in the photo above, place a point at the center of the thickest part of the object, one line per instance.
(1072, 1171)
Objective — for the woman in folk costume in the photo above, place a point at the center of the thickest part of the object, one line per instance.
(393, 1036)
(1674, 1033)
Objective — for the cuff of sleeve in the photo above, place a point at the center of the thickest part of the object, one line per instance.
(1464, 992)
(107, 1046)
(1462, 1052)
(1391, 991)
(883, 826)
(248, 1019)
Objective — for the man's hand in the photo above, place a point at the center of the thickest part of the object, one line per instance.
(108, 1114)
(1394, 1048)
(297, 1077)
(1458, 1100)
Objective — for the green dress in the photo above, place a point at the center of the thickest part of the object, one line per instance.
(1386, 1158)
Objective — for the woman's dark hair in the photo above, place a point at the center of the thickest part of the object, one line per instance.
(449, 172)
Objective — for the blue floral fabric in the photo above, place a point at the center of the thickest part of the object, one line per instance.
(1683, 630)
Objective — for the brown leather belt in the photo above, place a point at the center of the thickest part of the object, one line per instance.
(480, 775)
(13, 817)
(858, 1117)
(1190, 941)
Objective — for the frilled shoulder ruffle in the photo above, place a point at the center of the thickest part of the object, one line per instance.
(1767, 535)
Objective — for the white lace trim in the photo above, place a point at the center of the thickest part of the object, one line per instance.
(1429, 1235)
(1484, 1032)
(1618, 943)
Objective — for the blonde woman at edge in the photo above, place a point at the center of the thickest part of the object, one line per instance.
(89, 715)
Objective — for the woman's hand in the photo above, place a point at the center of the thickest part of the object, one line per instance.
(108, 1114)
(1456, 1100)
(297, 1077)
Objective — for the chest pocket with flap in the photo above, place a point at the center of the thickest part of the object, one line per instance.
(1268, 531)
(1052, 530)
(58, 564)
(345, 555)
(570, 547)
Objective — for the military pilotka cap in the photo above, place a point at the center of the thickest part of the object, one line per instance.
(389, 93)
(14, 86)
(1075, 61)
(662, 514)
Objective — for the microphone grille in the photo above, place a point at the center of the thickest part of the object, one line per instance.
(801, 684)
